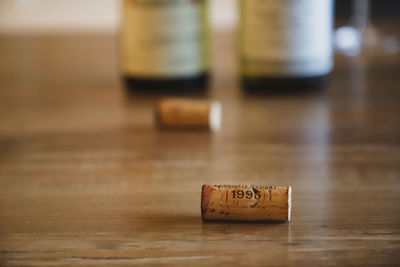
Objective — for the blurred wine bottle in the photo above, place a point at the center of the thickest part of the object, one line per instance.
(286, 45)
(165, 44)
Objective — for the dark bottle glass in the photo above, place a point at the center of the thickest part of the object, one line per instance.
(164, 45)
(286, 45)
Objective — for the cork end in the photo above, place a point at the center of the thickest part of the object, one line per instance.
(289, 202)
(206, 191)
(215, 116)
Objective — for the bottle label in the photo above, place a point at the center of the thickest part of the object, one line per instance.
(286, 38)
(164, 38)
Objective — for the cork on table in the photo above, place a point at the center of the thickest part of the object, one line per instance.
(246, 203)
(87, 179)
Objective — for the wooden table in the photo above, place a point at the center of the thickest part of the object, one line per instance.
(86, 178)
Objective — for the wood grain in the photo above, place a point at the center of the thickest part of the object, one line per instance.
(86, 178)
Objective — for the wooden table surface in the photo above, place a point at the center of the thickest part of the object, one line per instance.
(86, 178)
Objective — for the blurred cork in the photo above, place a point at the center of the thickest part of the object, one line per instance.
(246, 202)
(177, 113)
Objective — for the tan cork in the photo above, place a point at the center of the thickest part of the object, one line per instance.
(246, 202)
(180, 113)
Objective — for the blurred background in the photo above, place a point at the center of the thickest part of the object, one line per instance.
(87, 18)
(63, 16)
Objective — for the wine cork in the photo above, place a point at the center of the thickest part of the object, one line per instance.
(175, 113)
(246, 202)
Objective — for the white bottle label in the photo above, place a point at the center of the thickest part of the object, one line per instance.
(286, 38)
(164, 38)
